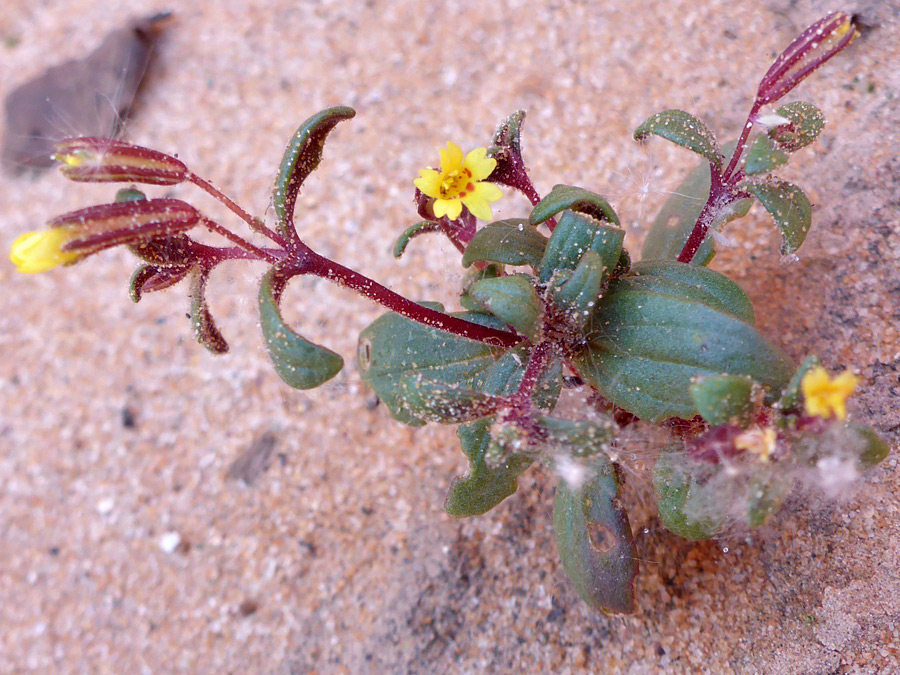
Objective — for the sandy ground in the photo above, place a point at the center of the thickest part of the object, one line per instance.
(127, 544)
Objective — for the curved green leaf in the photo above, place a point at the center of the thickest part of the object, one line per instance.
(205, 329)
(720, 399)
(789, 208)
(301, 157)
(792, 397)
(578, 438)
(594, 539)
(683, 129)
(435, 401)
(673, 224)
(764, 156)
(392, 347)
(570, 198)
(411, 232)
(690, 503)
(765, 492)
(505, 377)
(693, 282)
(573, 237)
(510, 242)
(646, 347)
(806, 122)
(512, 299)
(299, 362)
(578, 294)
(473, 274)
(482, 488)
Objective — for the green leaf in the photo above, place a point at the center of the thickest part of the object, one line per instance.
(690, 503)
(721, 399)
(765, 493)
(204, 325)
(578, 438)
(806, 122)
(510, 242)
(301, 157)
(683, 129)
(392, 347)
(411, 232)
(696, 283)
(789, 208)
(866, 444)
(570, 198)
(482, 488)
(435, 401)
(299, 362)
(594, 539)
(792, 398)
(673, 224)
(573, 237)
(578, 294)
(491, 271)
(764, 156)
(507, 374)
(512, 299)
(646, 346)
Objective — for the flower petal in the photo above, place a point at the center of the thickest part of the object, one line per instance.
(487, 191)
(40, 251)
(452, 208)
(429, 182)
(479, 164)
(451, 158)
(478, 206)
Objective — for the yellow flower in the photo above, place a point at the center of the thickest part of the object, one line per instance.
(758, 441)
(825, 396)
(460, 182)
(41, 250)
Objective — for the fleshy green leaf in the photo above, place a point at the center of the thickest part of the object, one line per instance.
(594, 539)
(435, 401)
(411, 232)
(204, 325)
(510, 242)
(792, 398)
(764, 156)
(789, 208)
(867, 445)
(578, 294)
(299, 362)
(482, 488)
(573, 237)
(683, 129)
(570, 198)
(696, 283)
(765, 493)
(491, 271)
(393, 347)
(806, 122)
(578, 438)
(689, 502)
(512, 299)
(301, 157)
(722, 398)
(646, 346)
(504, 378)
(673, 224)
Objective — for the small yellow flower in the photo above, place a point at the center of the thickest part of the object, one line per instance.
(758, 441)
(41, 250)
(460, 182)
(824, 396)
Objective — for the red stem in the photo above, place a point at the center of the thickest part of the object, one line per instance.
(257, 252)
(313, 263)
(255, 224)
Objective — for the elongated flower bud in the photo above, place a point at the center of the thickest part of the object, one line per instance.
(103, 160)
(813, 47)
(99, 227)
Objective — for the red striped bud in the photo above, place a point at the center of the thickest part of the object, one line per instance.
(104, 160)
(99, 227)
(813, 47)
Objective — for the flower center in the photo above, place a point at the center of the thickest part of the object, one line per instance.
(456, 183)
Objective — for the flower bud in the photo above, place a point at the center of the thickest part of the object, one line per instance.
(99, 227)
(104, 160)
(813, 47)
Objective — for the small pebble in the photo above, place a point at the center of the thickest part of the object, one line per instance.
(169, 542)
